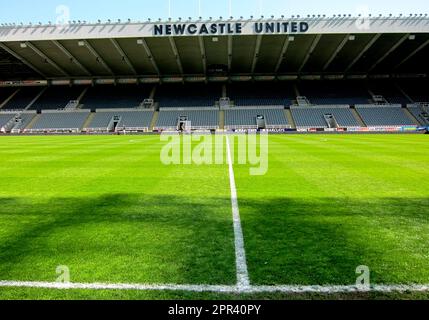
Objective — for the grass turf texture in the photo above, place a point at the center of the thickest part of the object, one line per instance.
(108, 209)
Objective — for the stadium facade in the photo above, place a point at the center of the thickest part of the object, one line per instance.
(316, 73)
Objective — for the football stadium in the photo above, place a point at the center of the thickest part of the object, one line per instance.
(335, 107)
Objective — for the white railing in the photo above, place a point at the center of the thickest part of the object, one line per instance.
(11, 110)
(303, 101)
(147, 104)
(379, 100)
(378, 106)
(72, 105)
(224, 103)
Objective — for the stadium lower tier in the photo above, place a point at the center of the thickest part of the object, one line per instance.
(325, 118)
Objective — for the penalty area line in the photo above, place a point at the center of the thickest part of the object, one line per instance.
(291, 289)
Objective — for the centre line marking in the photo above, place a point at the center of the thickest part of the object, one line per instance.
(240, 253)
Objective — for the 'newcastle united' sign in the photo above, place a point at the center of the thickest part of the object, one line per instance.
(182, 29)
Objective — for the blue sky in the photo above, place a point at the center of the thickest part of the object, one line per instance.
(91, 10)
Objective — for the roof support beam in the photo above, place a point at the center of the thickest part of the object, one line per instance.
(256, 55)
(24, 61)
(70, 56)
(149, 55)
(364, 50)
(46, 58)
(337, 51)
(97, 56)
(310, 52)
(176, 54)
(229, 53)
(412, 54)
(203, 54)
(123, 55)
(396, 46)
(282, 54)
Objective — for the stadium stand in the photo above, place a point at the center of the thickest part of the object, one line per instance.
(247, 118)
(5, 118)
(324, 117)
(59, 122)
(115, 97)
(20, 121)
(335, 92)
(261, 94)
(57, 97)
(417, 90)
(23, 98)
(265, 75)
(389, 115)
(419, 113)
(109, 121)
(389, 91)
(199, 119)
(188, 95)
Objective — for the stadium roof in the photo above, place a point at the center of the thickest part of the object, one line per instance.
(200, 50)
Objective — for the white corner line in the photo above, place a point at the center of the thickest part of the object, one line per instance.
(240, 253)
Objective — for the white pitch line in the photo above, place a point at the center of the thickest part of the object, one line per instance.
(240, 253)
(291, 289)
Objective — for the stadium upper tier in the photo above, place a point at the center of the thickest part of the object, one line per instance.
(416, 89)
(109, 96)
(390, 91)
(57, 97)
(239, 94)
(189, 95)
(246, 94)
(22, 98)
(335, 92)
(261, 94)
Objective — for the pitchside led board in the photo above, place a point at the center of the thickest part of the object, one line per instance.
(236, 28)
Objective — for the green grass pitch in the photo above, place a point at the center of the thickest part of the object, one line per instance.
(108, 209)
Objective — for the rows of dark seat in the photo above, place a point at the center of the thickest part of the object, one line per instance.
(417, 90)
(61, 121)
(261, 94)
(335, 92)
(384, 116)
(188, 95)
(23, 98)
(127, 119)
(315, 117)
(57, 97)
(236, 118)
(242, 94)
(208, 118)
(113, 97)
(6, 92)
(389, 91)
(239, 118)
